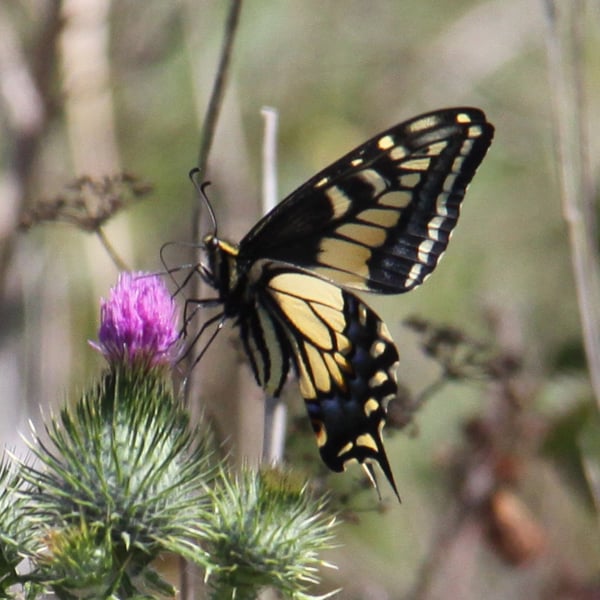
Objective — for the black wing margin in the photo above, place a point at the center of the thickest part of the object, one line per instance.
(380, 218)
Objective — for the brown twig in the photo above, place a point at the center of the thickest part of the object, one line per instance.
(110, 250)
(216, 99)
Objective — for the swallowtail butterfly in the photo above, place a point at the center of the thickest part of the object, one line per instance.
(376, 220)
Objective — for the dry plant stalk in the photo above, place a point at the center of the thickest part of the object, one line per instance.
(564, 33)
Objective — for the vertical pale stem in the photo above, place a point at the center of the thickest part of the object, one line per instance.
(275, 409)
(564, 25)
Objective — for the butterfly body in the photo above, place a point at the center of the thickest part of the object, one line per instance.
(377, 220)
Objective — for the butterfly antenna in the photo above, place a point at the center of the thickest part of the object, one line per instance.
(201, 189)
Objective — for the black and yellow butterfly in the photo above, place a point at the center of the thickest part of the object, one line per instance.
(376, 220)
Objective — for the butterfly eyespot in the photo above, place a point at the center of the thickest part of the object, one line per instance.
(377, 220)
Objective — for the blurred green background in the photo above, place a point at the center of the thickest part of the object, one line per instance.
(123, 86)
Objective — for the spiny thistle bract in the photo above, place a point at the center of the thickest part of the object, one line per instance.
(265, 530)
(16, 535)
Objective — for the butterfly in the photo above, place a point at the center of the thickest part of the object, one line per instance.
(376, 220)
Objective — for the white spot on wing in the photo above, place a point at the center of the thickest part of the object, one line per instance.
(434, 226)
(424, 249)
(475, 131)
(398, 153)
(413, 275)
(386, 142)
(449, 182)
(441, 204)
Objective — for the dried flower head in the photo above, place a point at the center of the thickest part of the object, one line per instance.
(139, 322)
(88, 203)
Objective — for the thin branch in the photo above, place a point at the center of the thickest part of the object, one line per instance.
(216, 99)
(269, 160)
(110, 250)
(572, 157)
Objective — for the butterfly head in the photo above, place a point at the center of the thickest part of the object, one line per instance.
(221, 270)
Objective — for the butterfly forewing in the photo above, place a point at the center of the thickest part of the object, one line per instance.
(379, 218)
(342, 352)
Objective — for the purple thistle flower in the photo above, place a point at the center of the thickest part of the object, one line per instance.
(138, 322)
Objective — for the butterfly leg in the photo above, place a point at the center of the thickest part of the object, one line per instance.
(197, 304)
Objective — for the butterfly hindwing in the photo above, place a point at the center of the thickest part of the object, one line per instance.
(380, 218)
(343, 354)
